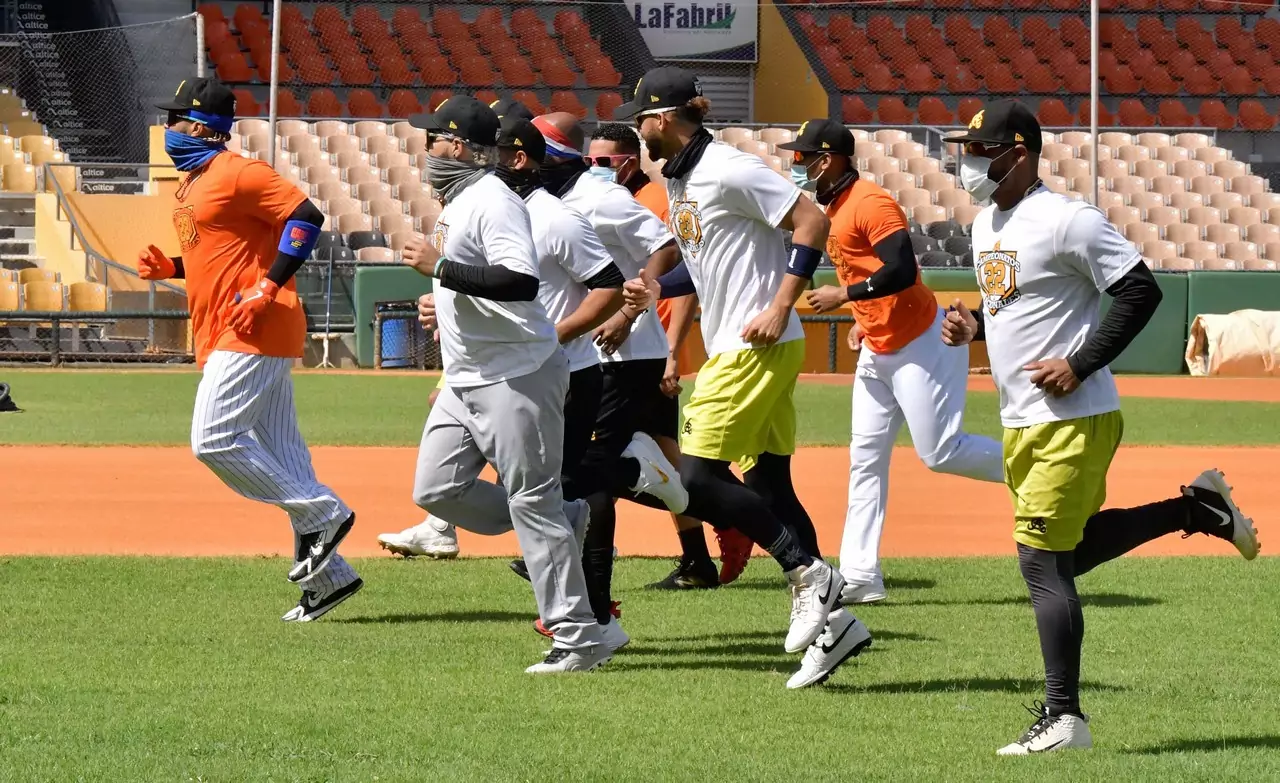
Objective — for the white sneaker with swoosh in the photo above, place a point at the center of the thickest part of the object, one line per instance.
(815, 591)
(844, 637)
(658, 477)
(1049, 734)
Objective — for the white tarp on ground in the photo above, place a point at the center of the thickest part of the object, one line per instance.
(1243, 344)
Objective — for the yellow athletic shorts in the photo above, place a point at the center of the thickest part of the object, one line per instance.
(742, 405)
(440, 385)
(1057, 477)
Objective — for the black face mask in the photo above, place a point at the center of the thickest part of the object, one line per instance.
(522, 182)
(559, 179)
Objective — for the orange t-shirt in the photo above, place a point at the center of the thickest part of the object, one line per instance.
(229, 219)
(863, 215)
(654, 197)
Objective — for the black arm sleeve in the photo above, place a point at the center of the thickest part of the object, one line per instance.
(1137, 295)
(609, 277)
(496, 283)
(179, 271)
(897, 274)
(981, 333)
(286, 266)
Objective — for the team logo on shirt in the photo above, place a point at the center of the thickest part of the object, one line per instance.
(439, 235)
(184, 222)
(686, 224)
(998, 277)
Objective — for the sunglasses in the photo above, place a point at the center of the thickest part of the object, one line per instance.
(432, 138)
(607, 161)
(176, 116)
(981, 148)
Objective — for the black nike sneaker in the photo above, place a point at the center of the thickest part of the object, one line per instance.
(690, 575)
(314, 604)
(520, 568)
(315, 550)
(1215, 514)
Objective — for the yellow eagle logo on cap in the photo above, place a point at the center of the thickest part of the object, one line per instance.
(803, 125)
(976, 122)
(517, 143)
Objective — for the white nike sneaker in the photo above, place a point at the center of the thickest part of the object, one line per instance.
(658, 477)
(815, 590)
(614, 637)
(560, 660)
(869, 593)
(1216, 514)
(844, 637)
(433, 538)
(1049, 734)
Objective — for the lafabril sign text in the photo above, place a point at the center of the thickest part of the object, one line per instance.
(698, 31)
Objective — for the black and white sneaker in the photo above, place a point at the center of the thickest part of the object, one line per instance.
(559, 660)
(1050, 733)
(520, 568)
(844, 637)
(313, 605)
(1215, 514)
(315, 550)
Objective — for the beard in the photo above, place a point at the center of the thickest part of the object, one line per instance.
(654, 148)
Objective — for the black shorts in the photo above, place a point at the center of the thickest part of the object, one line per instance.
(632, 401)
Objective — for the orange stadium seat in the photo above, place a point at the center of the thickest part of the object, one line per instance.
(606, 104)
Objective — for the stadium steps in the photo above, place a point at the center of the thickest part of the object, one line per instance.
(17, 231)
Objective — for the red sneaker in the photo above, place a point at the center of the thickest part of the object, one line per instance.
(615, 609)
(735, 551)
(542, 629)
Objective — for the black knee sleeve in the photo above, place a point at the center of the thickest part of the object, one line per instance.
(770, 478)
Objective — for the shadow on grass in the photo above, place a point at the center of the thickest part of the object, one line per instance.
(437, 617)
(732, 640)
(1100, 600)
(960, 684)
(782, 663)
(1268, 741)
(762, 583)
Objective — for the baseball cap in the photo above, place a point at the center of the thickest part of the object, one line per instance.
(821, 136)
(1003, 122)
(511, 108)
(463, 117)
(205, 100)
(518, 133)
(661, 89)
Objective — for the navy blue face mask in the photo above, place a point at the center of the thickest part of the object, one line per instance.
(188, 152)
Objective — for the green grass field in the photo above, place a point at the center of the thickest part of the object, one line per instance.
(158, 669)
(107, 408)
(155, 669)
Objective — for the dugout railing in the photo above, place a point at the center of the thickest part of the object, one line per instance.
(59, 337)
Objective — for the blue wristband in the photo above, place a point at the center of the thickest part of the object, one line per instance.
(803, 261)
(298, 239)
(677, 282)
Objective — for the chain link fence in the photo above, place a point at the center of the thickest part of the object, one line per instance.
(94, 90)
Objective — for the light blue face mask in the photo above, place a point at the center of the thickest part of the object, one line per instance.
(604, 173)
(800, 176)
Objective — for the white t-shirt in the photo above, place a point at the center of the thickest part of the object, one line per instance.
(569, 253)
(725, 215)
(1042, 267)
(631, 233)
(483, 341)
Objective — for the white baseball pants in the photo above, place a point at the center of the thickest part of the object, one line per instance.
(245, 429)
(924, 385)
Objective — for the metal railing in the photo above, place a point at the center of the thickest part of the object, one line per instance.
(57, 354)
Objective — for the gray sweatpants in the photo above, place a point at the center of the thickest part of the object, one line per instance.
(518, 427)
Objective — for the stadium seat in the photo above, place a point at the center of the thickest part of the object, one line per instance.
(357, 240)
(88, 297)
(44, 295)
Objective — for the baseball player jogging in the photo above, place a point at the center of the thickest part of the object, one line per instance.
(1042, 262)
(632, 350)
(905, 373)
(506, 379)
(434, 537)
(613, 155)
(244, 231)
(727, 208)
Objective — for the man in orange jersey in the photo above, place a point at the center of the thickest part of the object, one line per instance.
(613, 154)
(244, 231)
(905, 372)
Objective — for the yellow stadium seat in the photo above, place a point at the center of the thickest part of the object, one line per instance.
(10, 296)
(18, 178)
(19, 128)
(32, 142)
(44, 296)
(37, 275)
(8, 275)
(89, 297)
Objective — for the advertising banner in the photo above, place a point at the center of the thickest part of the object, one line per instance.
(709, 31)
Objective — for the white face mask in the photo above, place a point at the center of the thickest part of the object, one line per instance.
(604, 173)
(974, 176)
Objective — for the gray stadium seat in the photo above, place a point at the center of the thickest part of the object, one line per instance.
(362, 239)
